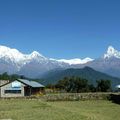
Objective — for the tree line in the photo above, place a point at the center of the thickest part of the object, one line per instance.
(77, 85)
(69, 84)
(6, 76)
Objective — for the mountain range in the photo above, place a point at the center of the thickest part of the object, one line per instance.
(34, 65)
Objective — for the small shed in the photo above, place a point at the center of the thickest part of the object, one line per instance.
(21, 88)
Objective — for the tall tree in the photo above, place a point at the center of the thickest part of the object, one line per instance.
(103, 85)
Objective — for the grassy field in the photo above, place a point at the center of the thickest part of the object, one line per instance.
(77, 110)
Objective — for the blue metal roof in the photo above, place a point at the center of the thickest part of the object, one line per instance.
(31, 83)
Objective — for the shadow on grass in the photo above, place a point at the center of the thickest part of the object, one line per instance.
(115, 98)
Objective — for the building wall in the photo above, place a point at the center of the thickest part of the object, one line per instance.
(35, 91)
(10, 87)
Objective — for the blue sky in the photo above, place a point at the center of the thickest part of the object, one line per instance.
(60, 28)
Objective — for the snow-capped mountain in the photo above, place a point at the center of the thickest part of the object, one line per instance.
(21, 59)
(35, 64)
(31, 65)
(109, 63)
(17, 58)
(76, 61)
(111, 52)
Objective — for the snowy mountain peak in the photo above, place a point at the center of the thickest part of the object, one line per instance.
(76, 61)
(18, 58)
(36, 54)
(3, 47)
(21, 59)
(12, 54)
(112, 52)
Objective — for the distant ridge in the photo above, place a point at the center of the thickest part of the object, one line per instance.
(88, 73)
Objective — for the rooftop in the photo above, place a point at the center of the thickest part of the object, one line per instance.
(31, 83)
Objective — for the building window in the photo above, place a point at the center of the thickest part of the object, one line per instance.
(13, 91)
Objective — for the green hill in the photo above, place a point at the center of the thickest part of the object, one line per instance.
(88, 73)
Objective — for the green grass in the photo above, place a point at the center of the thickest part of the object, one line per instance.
(41, 110)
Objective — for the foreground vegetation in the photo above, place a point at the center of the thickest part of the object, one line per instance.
(21, 109)
(69, 84)
(78, 85)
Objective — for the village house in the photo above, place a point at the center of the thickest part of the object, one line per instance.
(20, 88)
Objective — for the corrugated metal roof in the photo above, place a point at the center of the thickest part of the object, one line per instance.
(31, 83)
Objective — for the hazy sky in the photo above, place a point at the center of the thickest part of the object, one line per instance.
(60, 28)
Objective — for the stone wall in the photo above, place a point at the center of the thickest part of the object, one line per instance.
(77, 96)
